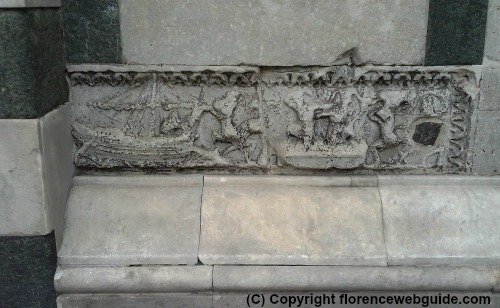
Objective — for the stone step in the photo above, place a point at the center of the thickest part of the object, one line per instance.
(282, 220)
(205, 241)
(238, 278)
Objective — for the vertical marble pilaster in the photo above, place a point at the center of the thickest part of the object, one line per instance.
(455, 32)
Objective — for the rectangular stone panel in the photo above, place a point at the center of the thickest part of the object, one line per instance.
(36, 172)
(441, 222)
(132, 220)
(171, 117)
(303, 221)
(284, 33)
(487, 143)
(492, 40)
(22, 204)
(490, 87)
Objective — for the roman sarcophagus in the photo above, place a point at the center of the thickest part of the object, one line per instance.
(407, 118)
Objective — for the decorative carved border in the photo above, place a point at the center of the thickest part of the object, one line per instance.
(316, 77)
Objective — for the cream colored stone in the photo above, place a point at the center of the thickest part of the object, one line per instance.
(22, 197)
(441, 223)
(132, 220)
(290, 220)
(272, 32)
(58, 167)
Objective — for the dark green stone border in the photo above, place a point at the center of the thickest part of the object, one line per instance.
(456, 32)
(27, 267)
(32, 67)
(92, 31)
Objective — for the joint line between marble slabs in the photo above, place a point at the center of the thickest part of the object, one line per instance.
(199, 230)
(383, 223)
(213, 287)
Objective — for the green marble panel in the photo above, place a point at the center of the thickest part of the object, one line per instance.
(32, 69)
(92, 31)
(456, 32)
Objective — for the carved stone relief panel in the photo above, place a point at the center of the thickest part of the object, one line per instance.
(376, 121)
(328, 118)
(164, 120)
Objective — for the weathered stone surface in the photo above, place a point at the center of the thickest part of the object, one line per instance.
(22, 205)
(57, 164)
(132, 220)
(370, 125)
(351, 278)
(92, 31)
(486, 149)
(303, 221)
(429, 223)
(36, 171)
(197, 32)
(32, 78)
(490, 88)
(150, 279)
(455, 32)
(173, 300)
(155, 123)
(492, 43)
(321, 118)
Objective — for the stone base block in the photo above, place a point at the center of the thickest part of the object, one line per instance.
(291, 220)
(132, 220)
(36, 171)
(441, 220)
